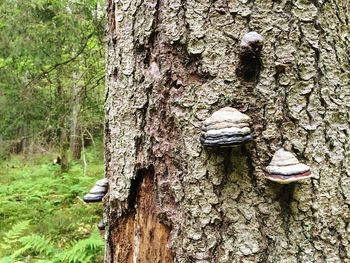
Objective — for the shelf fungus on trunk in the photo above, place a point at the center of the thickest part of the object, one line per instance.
(226, 127)
(97, 192)
(101, 225)
(285, 168)
(250, 64)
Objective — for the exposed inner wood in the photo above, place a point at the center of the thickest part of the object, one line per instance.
(140, 236)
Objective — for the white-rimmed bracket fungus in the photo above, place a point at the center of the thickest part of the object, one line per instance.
(249, 57)
(97, 192)
(285, 168)
(226, 127)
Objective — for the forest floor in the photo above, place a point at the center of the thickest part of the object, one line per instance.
(42, 215)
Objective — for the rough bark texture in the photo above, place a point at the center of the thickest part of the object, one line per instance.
(170, 65)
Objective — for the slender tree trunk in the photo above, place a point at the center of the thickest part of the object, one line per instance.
(170, 65)
(64, 144)
(63, 139)
(75, 129)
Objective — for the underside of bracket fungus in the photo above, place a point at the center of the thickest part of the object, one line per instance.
(97, 192)
(249, 56)
(226, 127)
(285, 168)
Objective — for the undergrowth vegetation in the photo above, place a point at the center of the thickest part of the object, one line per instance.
(42, 215)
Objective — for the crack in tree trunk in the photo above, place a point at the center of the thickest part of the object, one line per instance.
(139, 236)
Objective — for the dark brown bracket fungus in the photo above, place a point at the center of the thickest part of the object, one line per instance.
(226, 127)
(97, 192)
(285, 168)
(249, 57)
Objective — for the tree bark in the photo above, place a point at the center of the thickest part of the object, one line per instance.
(170, 64)
(64, 146)
(75, 129)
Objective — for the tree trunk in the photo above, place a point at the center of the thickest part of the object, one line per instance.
(64, 144)
(170, 65)
(75, 130)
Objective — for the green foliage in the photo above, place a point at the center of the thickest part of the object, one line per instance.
(82, 250)
(42, 212)
(12, 236)
(51, 59)
(47, 47)
(38, 247)
(37, 243)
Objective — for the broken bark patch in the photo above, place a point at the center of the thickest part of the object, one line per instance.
(139, 236)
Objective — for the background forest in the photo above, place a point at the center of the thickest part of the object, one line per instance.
(51, 105)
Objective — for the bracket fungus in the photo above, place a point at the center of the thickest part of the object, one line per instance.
(285, 168)
(249, 56)
(226, 127)
(97, 192)
(101, 225)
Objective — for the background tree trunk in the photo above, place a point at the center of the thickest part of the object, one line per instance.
(64, 146)
(170, 65)
(75, 129)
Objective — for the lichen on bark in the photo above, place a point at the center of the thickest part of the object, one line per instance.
(170, 64)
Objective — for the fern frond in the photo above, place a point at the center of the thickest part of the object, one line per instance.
(76, 257)
(14, 233)
(83, 251)
(19, 252)
(38, 244)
